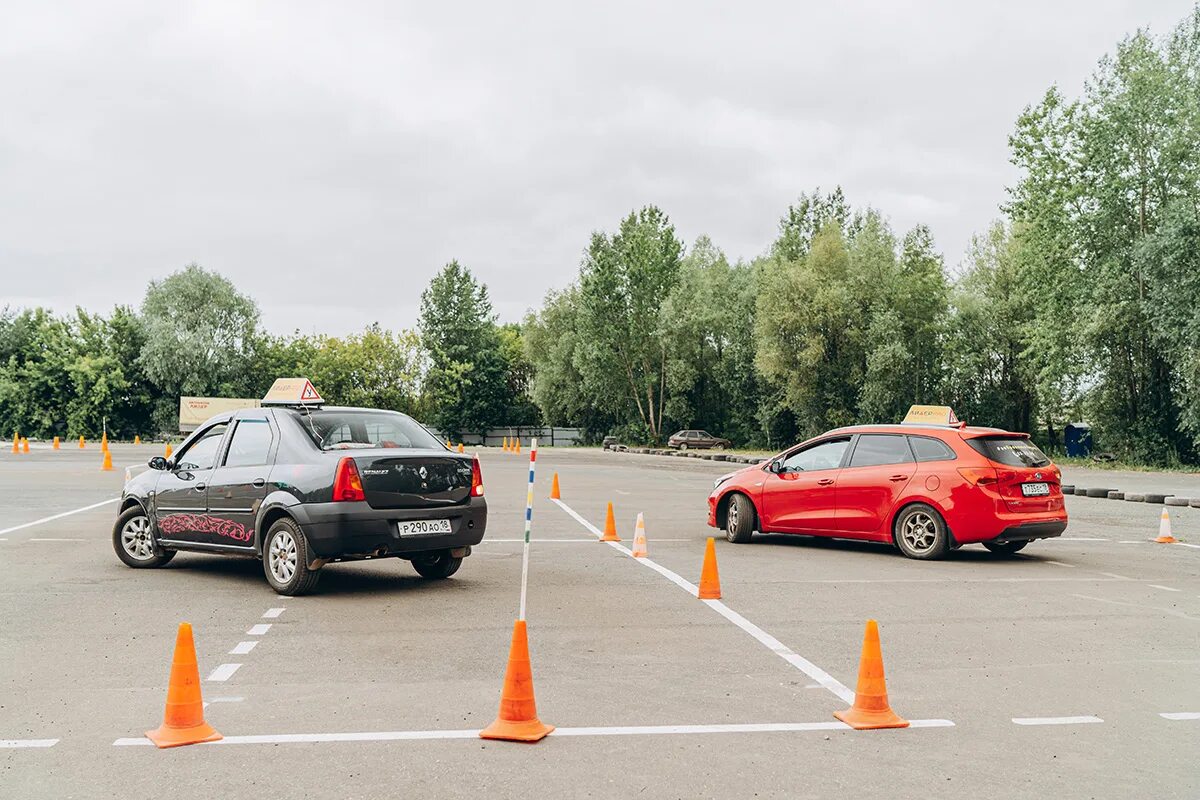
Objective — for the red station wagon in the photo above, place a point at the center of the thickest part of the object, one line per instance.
(926, 488)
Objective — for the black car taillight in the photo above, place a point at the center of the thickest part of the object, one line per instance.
(346, 483)
(476, 479)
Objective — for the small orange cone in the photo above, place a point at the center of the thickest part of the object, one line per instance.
(168, 455)
(55, 442)
(610, 527)
(710, 581)
(107, 465)
(517, 447)
(137, 439)
(871, 709)
(183, 719)
(504, 446)
(461, 448)
(16, 443)
(1164, 528)
(80, 442)
(518, 720)
(639, 538)
(554, 493)
(24, 445)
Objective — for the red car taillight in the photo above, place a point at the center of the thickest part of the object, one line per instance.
(978, 476)
(476, 479)
(346, 483)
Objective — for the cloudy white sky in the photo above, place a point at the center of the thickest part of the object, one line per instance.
(328, 158)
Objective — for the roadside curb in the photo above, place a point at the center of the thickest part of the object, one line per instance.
(706, 456)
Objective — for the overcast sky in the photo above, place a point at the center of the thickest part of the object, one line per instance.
(329, 158)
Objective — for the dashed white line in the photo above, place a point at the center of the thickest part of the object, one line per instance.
(1181, 715)
(19, 743)
(1164, 588)
(1114, 575)
(1059, 563)
(624, 730)
(243, 648)
(223, 673)
(273, 613)
(1188, 544)
(259, 629)
(1078, 539)
(53, 517)
(1056, 720)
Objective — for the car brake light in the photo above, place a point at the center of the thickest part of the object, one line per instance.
(476, 479)
(347, 486)
(978, 476)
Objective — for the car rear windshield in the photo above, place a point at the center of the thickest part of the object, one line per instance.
(1012, 451)
(345, 430)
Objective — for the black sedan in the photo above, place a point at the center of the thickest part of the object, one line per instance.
(299, 487)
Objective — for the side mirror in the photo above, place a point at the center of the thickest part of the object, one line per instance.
(775, 466)
(158, 462)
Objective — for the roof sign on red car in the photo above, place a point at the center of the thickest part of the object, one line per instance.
(292, 392)
(930, 415)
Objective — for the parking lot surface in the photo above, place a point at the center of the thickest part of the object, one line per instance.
(1069, 670)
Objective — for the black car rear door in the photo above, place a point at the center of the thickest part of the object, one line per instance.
(237, 487)
(180, 499)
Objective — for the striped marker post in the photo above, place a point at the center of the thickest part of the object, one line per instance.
(528, 525)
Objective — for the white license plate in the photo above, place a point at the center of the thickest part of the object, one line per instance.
(422, 527)
(1035, 489)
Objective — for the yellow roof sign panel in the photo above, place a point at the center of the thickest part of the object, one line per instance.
(292, 391)
(930, 415)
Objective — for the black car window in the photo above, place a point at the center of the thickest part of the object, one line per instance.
(202, 453)
(823, 455)
(250, 445)
(1012, 451)
(927, 449)
(335, 429)
(875, 449)
(704, 435)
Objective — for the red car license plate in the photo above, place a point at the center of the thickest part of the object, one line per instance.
(1035, 489)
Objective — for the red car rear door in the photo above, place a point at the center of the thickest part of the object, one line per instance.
(872, 482)
(798, 494)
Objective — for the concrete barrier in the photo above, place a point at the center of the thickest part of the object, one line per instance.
(1080, 491)
(1176, 501)
(1157, 499)
(1096, 492)
(1068, 488)
(1135, 498)
(1115, 495)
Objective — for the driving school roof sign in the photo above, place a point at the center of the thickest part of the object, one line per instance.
(292, 392)
(930, 415)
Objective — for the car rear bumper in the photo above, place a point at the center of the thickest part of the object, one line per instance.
(337, 530)
(1025, 531)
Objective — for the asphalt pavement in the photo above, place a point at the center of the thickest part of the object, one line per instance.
(1046, 673)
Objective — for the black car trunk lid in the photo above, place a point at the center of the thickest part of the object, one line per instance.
(414, 481)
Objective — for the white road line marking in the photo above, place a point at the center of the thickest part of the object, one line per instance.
(59, 516)
(273, 613)
(618, 491)
(1170, 612)
(1114, 575)
(536, 540)
(1133, 541)
(1078, 539)
(1164, 588)
(57, 540)
(223, 673)
(243, 648)
(14, 743)
(259, 629)
(595, 532)
(1056, 720)
(770, 642)
(624, 730)
(1059, 563)
(1184, 544)
(1181, 715)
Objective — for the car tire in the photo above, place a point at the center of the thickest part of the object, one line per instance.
(920, 533)
(718, 447)
(437, 565)
(739, 519)
(285, 559)
(683, 446)
(1005, 548)
(133, 540)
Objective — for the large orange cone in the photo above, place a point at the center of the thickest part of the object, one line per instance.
(639, 538)
(555, 494)
(610, 527)
(24, 445)
(107, 465)
(710, 581)
(56, 443)
(183, 719)
(518, 720)
(104, 441)
(871, 709)
(1164, 528)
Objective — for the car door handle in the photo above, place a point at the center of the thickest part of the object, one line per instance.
(259, 483)
(825, 482)
(898, 478)
(199, 487)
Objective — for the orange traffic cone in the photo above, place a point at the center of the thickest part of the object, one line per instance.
(871, 709)
(1164, 528)
(107, 465)
(517, 448)
(554, 493)
(639, 538)
(104, 441)
(16, 443)
(24, 445)
(610, 527)
(710, 581)
(168, 455)
(461, 448)
(137, 439)
(183, 719)
(504, 446)
(56, 444)
(518, 720)
(80, 442)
